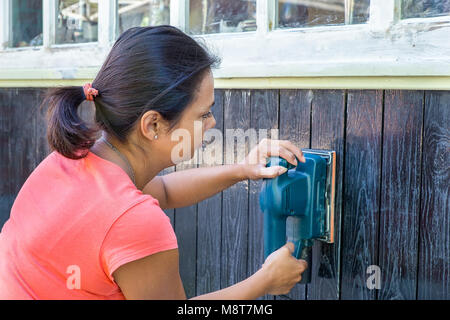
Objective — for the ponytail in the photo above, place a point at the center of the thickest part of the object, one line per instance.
(66, 131)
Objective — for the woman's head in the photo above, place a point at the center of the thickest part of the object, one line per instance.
(154, 80)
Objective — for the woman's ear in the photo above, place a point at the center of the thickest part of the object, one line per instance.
(152, 124)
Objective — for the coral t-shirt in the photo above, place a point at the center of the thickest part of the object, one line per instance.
(73, 223)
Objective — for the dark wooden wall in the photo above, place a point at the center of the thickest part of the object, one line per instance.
(392, 201)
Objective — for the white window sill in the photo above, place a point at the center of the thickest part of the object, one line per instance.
(410, 48)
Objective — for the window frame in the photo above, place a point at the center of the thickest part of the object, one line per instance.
(385, 46)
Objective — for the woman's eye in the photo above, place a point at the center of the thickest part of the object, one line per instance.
(207, 115)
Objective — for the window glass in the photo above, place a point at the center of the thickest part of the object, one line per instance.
(218, 16)
(425, 8)
(142, 13)
(310, 13)
(77, 21)
(26, 18)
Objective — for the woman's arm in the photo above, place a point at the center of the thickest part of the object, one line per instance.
(157, 277)
(249, 289)
(187, 187)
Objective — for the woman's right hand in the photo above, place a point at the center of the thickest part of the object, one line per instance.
(283, 270)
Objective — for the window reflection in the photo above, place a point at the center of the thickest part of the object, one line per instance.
(219, 16)
(425, 8)
(26, 18)
(309, 13)
(142, 13)
(77, 21)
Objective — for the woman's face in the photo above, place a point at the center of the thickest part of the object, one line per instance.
(180, 144)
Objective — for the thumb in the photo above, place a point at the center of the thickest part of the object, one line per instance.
(290, 246)
(271, 172)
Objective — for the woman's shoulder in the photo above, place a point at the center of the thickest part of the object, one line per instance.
(91, 182)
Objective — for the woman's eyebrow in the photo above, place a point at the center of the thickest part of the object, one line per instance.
(207, 108)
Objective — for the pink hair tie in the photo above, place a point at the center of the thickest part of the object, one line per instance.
(89, 92)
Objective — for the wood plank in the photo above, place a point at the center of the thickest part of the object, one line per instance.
(210, 222)
(19, 120)
(235, 198)
(327, 132)
(361, 191)
(6, 197)
(186, 232)
(22, 139)
(263, 115)
(42, 149)
(434, 245)
(400, 192)
(295, 126)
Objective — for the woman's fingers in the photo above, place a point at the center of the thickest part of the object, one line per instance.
(293, 149)
(276, 148)
(303, 265)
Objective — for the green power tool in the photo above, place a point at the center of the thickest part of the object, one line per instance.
(298, 206)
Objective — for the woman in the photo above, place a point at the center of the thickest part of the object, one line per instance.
(88, 222)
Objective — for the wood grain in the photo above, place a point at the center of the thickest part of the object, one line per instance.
(186, 232)
(434, 233)
(6, 196)
(400, 192)
(42, 148)
(235, 198)
(295, 126)
(263, 115)
(327, 132)
(361, 192)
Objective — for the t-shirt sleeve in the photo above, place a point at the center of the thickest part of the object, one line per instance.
(142, 230)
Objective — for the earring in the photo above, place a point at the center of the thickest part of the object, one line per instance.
(156, 136)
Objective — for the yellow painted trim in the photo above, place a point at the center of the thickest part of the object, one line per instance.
(45, 83)
(400, 83)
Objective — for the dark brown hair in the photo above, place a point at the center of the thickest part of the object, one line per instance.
(148, 68)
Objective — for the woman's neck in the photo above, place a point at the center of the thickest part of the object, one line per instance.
(144, 170)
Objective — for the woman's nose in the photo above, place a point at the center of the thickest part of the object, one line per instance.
(213, 122)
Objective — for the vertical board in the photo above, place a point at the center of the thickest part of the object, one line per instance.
(434, 233)
(235, 199)
(361, 191)
(327, 132)
(263, 115)
(209, 225)
(400, 192)
(186, 232)
(42, 148)
(295, 126)
(6, 196)
(22, 138)
(23, 146)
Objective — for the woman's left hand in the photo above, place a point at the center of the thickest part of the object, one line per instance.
(255, 162)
